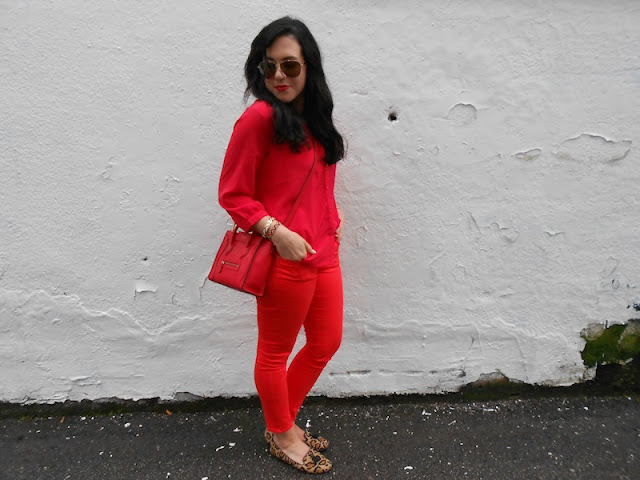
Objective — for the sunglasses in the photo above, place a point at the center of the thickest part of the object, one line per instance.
(290, 68)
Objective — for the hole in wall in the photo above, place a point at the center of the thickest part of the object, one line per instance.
(393, 116)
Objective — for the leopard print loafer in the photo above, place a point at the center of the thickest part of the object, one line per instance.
(313, 462)
(319, 444)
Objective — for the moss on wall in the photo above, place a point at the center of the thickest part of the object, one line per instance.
(613, 344)
(615, 351)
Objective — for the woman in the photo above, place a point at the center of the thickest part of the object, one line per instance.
(286, 136)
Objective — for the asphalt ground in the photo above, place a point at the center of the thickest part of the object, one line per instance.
(592, 438)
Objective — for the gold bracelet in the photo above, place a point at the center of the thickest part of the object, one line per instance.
(265, 230)
(272, 230)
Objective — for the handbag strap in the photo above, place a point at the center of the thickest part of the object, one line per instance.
(296, 203)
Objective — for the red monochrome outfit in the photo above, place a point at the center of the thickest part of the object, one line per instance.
(263, 178)
(260, 178)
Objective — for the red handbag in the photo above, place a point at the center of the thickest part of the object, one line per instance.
(244, 259)
(243, 262)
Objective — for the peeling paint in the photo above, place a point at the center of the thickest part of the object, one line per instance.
(172, 191)
(588, 147)
(144, 287)
(361, 235)
(510, 234)
(496, 376)
(462, 114)
(3, 264)
(71, 353)
(528, 155)
(108, 171)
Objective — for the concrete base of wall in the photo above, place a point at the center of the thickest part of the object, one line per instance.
(614, 379)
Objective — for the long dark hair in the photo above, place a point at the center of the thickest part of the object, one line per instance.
(318, 103)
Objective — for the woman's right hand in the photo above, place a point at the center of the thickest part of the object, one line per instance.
(290, 245)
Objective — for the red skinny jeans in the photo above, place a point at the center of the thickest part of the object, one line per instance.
(296, 295)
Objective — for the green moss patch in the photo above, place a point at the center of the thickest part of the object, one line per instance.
(615, 344)
(615, 352)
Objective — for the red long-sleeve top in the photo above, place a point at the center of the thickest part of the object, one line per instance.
(262, 178)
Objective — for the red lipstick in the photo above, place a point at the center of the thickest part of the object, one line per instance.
(282, 88)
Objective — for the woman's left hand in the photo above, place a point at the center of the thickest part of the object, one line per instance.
(340, 227)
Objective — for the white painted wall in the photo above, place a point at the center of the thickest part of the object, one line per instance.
(487, 226)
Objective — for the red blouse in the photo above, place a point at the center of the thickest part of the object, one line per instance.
(261, 178)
